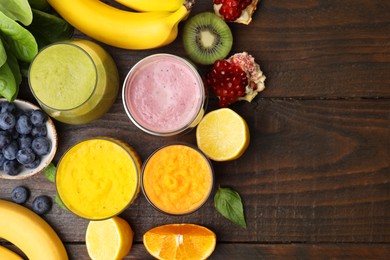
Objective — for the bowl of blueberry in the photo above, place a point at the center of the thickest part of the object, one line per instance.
(28, 139)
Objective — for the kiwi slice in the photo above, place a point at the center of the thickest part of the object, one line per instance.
(207, 38)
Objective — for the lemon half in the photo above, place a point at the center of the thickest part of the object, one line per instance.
(222, 135)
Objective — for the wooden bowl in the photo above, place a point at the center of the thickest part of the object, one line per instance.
(46, 159)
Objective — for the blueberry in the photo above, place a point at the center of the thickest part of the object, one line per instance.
(7, 120)
(40, 130)
(38, 117)
(23, 125)
(34, 164)
(5, 139)
(14, 134)
(2, 160)
(42, 204)
(25, 156)
(24, 141)
(11, 150)
(7, 107)
(41, 145)
(28, 112)
(20, 194)
(11, 167)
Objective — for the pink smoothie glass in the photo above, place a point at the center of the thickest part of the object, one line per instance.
(164, 95)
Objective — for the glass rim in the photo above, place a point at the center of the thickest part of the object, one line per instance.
(70, 43)
(201, 107)
(210, 191)
(124, 148)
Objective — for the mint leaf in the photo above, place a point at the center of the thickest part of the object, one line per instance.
(50, 172)
(59, 202)
(228, 203)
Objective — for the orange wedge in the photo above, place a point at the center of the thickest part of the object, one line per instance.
(222, 135)
(109, 239)
(180, 241)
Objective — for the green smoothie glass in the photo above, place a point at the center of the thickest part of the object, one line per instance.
(75, 82)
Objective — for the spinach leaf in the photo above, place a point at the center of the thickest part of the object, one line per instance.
(8, 86)
(42, 5)
(17, 10)
(14, 66)
(50, 172)
(20, 41)
(49, 28)
(228, 203)
(3, 53)
(59, 202)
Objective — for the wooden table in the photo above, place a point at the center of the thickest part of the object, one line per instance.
(315, 180)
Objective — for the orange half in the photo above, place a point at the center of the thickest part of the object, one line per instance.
(180, 241)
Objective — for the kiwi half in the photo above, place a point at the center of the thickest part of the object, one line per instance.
(207, 38)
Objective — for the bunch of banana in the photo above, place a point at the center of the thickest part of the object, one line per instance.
(155, 25)
(29, 232)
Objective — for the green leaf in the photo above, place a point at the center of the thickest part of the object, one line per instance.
(59, 202)
(42, 5)
(17, 10)
(49, 28)
(14, 66)
(3, 53)
(228, 203)
(50, 172)
(19, 40)
(8, 86)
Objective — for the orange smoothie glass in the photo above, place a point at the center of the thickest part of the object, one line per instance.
(98, 178)
(177, 179)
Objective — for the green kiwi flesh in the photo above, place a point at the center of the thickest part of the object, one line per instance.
(207, 38)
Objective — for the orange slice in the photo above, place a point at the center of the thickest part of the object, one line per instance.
(180, 241)
(222, 135)
(109, 239)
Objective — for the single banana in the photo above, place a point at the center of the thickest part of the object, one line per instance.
(152, 5)
(7, 254)
(120, 28)
(30, 233)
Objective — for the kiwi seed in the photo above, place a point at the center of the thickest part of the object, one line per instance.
(207, 38)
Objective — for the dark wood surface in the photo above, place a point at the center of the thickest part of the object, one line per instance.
(315, 180)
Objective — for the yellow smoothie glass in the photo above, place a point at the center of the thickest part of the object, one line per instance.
(98, 178)
(177, 179)
(75, 82)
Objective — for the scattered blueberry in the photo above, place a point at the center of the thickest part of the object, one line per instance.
(20, 194)
(10, 150)
(24, 141)
(40, 130)
(11, 167)
(23, 125)
(5, 139)
(41, 145)
(42, 204)
(38, 118)
(25, 156)
(7, 120)
(34, 164)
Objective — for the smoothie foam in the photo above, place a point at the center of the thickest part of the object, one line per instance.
(163, 93)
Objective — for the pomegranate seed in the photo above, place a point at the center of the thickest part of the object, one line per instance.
(227, 81)
(231, 9)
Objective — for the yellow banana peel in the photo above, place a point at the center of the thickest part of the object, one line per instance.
(152, 5)
(8, 254)
(30, 233)
(120, 28)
